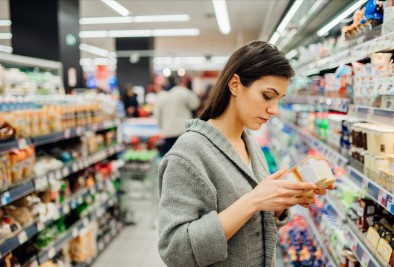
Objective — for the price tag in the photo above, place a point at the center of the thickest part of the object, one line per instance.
(65, 172)
(67, 133)
(107, 238)
(40, 226)
(382, 198)
(75, 232)
(22, 237)
(85, 222)
(80, 164)
(5, 198)
(365, 260)
(51, 253)
(389, 204)
(22, 144)
(113, 231)
(101, 245)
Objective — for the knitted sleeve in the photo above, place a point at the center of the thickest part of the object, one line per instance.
(190, 232)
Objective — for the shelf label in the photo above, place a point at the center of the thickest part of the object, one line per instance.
(80, 200)
(100, 245)
(85, 222)
(22, 237)
(79, 130)
(365, 260)
(80, 164)
(75, 167)
(107, 238)
(40, 226)
(22, 144)
(66, 209)
(5, 198)
(364, 186)
(58, 175)
(51, 253)
(382, 198)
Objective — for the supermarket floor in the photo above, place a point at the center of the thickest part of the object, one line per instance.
(136, 245)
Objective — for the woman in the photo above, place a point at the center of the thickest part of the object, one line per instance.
(219, 206)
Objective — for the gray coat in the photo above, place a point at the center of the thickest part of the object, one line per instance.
(201, 176)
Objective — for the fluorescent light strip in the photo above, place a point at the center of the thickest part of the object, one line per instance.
(274, 38)
(97, 51)
(6, 49)
(5, 22)
(161, 18)
(287, 38)
(221, 12)
(324, 30)
(139, 33)
(136, 19)
(117, 7)
(289, 15)
(291, 54)
(5, 36)
(97, 61)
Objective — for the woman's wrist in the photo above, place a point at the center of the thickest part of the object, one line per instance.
(250, 203)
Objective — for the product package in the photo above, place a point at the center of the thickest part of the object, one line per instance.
(314, 170)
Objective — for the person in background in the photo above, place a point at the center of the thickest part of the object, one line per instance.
(130, 102)
(172, 109)
(170, 83)
(219, 205)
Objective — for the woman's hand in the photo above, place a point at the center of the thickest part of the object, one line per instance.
(321, 192)
(273, 194)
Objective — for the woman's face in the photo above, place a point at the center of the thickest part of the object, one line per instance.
(256, 103)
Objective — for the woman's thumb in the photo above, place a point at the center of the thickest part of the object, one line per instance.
(278, 174)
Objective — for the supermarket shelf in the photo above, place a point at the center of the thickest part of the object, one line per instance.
(373, 190)
(59, 136)
(361, 248)
(333, 156)
(42, 182)
(338, 212)
(312, 227)
(333, 103)
(374, 115)
(30, 61)
(31, 230)
(356, 53)
(49, 252)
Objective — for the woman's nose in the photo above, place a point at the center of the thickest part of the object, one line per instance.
(273, 109)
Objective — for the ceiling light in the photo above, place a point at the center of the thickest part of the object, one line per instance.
(97, 61)
(161, 18)
(6, 49)
(136, 19)
(287, 38)
(176, 32)
(5, 35)
(291, 54)
(181, 72)
(105, 20)
(5, 22)
(274, 38)
(139, 33)
(117, 7)
(324, 30)
(167, 72)
(289, 15)
(221, 12)
(96, 50)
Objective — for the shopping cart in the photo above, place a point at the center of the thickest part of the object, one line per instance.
(139, 173)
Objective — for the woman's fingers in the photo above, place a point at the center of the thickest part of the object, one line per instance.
(284, 192)
(321, 192)
(298, 185)
(277, 175)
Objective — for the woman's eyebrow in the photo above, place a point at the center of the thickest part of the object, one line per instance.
(276, 92)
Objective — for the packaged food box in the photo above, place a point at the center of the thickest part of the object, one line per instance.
(312, 170)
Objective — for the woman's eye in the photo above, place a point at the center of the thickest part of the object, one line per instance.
(266, 97)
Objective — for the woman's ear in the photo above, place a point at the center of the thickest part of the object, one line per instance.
(234, 85)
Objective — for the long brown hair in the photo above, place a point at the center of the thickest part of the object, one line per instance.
(250, 62)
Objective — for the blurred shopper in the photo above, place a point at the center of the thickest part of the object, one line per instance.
(130, 102)
(172, 109)
(170, 83)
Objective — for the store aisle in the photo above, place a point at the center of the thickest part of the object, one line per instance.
(136, 245)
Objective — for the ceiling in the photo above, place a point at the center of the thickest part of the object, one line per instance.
(249, 19)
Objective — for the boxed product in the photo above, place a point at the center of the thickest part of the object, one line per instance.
(312, 170)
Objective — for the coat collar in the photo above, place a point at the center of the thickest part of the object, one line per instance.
(218, 140)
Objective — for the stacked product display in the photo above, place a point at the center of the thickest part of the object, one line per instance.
(59, 177)
(340, 108)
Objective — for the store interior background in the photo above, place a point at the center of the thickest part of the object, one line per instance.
(343, 84)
